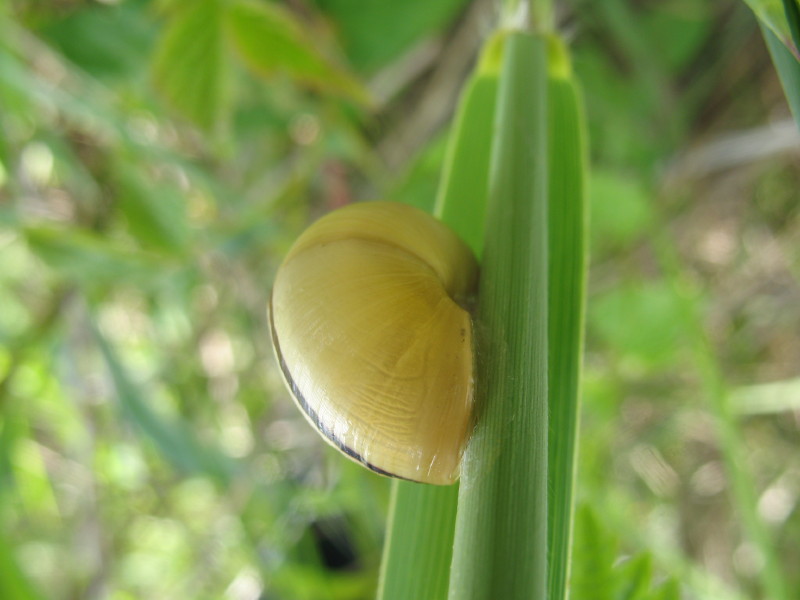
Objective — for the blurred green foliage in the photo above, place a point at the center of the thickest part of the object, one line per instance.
(157, 158)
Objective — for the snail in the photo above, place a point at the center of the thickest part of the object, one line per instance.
(371, 339)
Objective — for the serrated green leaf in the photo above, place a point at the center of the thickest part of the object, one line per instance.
(188, 68)
(271, 41)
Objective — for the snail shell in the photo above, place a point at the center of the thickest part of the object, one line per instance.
(371, 340)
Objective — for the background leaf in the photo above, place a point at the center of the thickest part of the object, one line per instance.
(788, 67)
(155, 210)
(188, 68)
(272, 42)
(773, 15)
(90, 259)
(13, 582)
(373, 33)
(104, 40)
(597, 574)
(177, 443)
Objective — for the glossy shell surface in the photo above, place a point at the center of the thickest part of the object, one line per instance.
(371, 341)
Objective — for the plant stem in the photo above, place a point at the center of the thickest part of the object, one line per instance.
(541, 16)
(501, 527)
(530, 15)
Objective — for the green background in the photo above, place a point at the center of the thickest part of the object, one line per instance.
(157, 158)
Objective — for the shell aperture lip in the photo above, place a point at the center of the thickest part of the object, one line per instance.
(309, 413)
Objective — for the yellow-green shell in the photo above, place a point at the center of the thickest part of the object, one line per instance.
(372, 344)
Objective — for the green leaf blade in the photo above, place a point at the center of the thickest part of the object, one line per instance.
(421, 525)
(566, 307)
(788, 68)
(772, 14)
(461, 202)
(422, 518)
